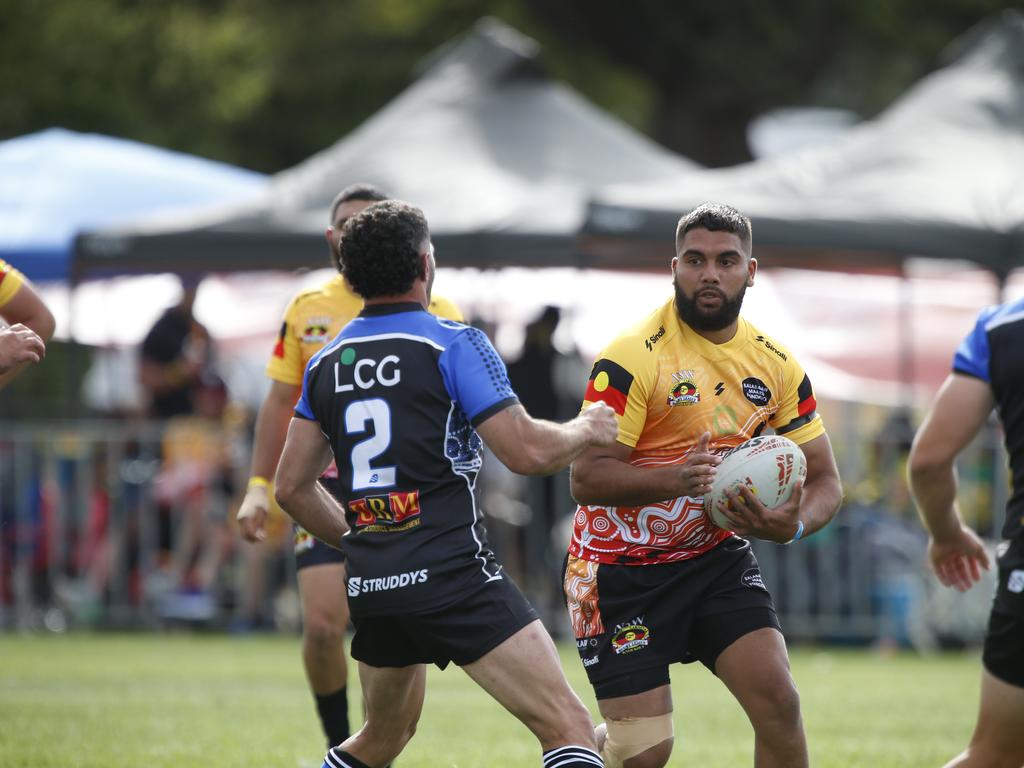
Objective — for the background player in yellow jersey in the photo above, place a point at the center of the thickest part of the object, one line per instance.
(650, 580)
(312, 319)
(27, 324)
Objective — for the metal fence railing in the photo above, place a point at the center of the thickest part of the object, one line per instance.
(119, 524)
(131, 525)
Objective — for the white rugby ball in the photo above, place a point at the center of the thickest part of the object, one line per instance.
(770, 466)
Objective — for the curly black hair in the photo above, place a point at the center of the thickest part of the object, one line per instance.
(716, 217)
(380, 248)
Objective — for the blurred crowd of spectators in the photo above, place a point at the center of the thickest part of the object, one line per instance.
(134, 523)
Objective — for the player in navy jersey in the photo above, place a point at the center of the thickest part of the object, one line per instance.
(404, 402)
(988, 372)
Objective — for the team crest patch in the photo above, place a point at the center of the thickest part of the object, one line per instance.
(1016, 582)
(631, 636)
(316, 330)
(684, 389)
(756, 391)
(279, 346)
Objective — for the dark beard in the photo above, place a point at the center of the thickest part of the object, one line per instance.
(723, 317)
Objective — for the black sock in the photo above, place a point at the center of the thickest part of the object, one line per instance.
(338, 758)
(333, 709)
(572, 757)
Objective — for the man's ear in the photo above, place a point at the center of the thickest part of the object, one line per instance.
(751, 271)
(424, 265)
(329, 234)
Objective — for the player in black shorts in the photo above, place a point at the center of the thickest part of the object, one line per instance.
(403, 402)
(988, 372)
(313, 317)
(650, 580)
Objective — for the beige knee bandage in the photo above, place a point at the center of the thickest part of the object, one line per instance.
(630, 736)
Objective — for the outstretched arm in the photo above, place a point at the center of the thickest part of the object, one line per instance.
(532, 446)
(959, 411)
(306, 454)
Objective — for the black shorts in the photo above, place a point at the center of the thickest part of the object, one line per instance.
(461, 632)
(1003, 655)
(309, 550)
(632, 621)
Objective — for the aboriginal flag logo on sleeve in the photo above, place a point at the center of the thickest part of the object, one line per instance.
(806, 404)
(609, 383)
(806, 407)
(279, 346)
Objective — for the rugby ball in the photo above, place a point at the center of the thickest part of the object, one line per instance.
(770, 466)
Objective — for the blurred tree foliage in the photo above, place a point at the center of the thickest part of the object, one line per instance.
(265, 83)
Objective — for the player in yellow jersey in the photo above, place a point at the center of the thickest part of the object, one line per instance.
(650, 580)
(27, 324)
(311, 320)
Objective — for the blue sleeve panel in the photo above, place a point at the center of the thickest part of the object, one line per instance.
(972, 356)
(475, 376)
(303, 408)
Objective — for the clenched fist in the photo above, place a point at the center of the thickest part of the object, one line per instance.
(600, 420)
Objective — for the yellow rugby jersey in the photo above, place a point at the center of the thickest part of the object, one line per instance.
(315, 317)
(10, 281)
(668, 385)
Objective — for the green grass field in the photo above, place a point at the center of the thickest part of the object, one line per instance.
(101, 701)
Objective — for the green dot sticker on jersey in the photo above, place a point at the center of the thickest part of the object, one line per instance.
(348, 356)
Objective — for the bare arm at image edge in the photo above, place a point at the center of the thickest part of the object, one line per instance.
(958, 413)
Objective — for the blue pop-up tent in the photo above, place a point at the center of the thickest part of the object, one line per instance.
(57, 182)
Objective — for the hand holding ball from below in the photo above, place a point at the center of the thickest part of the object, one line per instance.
(757, 489)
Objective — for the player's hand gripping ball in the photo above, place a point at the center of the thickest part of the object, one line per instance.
(770, 466)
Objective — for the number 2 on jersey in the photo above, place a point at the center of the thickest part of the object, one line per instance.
(357, 414)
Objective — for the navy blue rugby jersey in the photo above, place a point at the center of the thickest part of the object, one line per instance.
(994, 353)
(398, 393)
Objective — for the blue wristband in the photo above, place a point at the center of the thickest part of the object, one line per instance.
(799, 532)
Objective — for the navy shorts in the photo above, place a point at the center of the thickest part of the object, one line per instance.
(309, 550)
(632, 622)
(461, 632)
(1003, 655)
